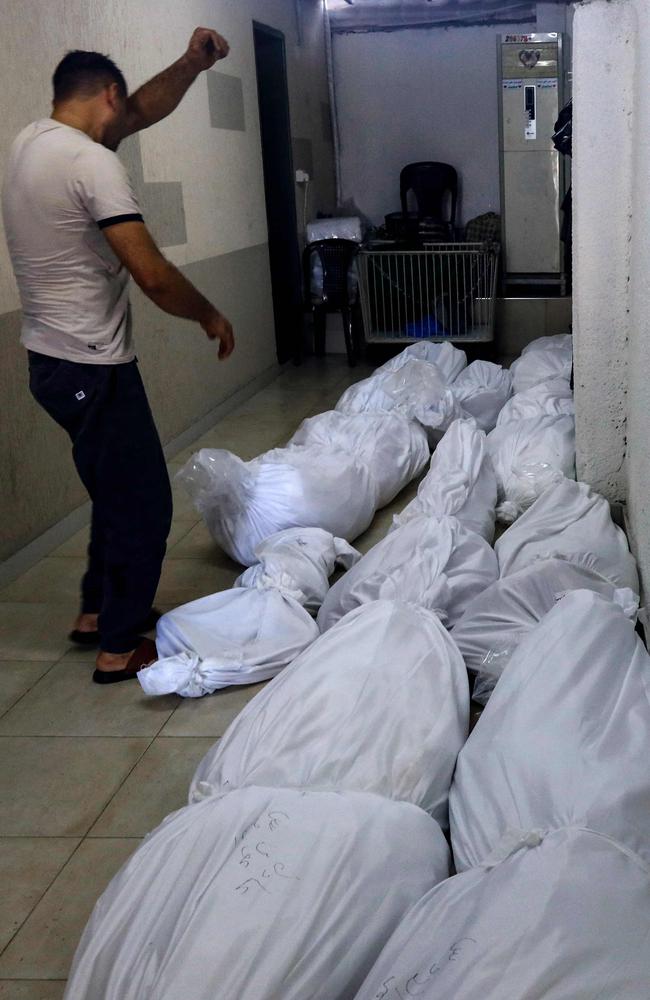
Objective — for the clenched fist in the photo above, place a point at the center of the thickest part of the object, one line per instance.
(206, 48)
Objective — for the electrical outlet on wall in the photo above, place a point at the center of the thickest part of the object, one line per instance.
(302, 177)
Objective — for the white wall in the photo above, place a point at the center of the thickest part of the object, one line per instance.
(612, 256)
(423, 94)
(418, 94)
(220, 171)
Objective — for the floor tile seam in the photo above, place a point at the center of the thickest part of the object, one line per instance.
(41, 979)
(32, 686)
(127, 776)
(43, 894)
(76, 736)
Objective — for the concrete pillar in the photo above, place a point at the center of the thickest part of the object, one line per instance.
(604, 51)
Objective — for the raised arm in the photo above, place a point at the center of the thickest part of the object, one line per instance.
(156, 99)
(164, 284)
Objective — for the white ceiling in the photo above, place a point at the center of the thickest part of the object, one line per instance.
(367, 14)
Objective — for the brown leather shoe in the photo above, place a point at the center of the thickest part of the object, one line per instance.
(144, 654)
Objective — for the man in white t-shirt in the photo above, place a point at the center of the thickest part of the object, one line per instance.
(75, 234)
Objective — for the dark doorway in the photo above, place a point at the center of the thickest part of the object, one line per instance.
(279, 187)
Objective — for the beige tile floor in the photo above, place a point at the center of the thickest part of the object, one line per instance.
(86, 771)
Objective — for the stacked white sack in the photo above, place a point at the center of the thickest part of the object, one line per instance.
(393, 448)
(417, 389)
(233, 637)
(243, 503)
(368, 395)
(573, 522)
(497, 620)
(544, 359)
(482, 389)
(563, 741)
(529, 456)
(299, 562)
(565, 915)
(259, 894)
(547, 399)
(460, 482)
(449, 360)
(433, 562)
(556, 342)
(380, 703)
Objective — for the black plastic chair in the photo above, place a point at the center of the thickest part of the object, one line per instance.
(336, 257)
(430, 183)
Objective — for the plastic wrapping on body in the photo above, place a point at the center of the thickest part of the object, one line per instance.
(555, 342)
(259, 894)
(563, 740)
(394, 449)
(299, 562)
(482, 390)
(529, 456)
(497, 620)
(564, 916)
(416, 389)
(243, 503)
(547, 399)
(378, 704)
(460, 482)
(573, 522)
(348, 228)
(233, 637)
(449, 360)
(433, 562)
(535, 366)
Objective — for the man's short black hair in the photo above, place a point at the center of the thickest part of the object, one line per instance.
(84, 74)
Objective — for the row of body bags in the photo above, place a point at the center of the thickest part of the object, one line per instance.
(431, 385)
(549, 829)
(436, 562)
(341, 466)
(565, 541)
(533, 443)
(437, 555)
(313, 826)
(306, 866)
(363, 730)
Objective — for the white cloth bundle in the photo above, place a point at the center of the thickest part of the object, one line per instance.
(233, 637)
(378, 704)
(497, 620)
(547, 399)
(449, 360)
(416, 388)
(564, 916)
(482, 390)
(563, 741)
(556, 342)
(529, 456)
(460, 482)
(394, 448)
(259, 894)
(433, 562)
(243, 503)
(299, 563)
(573, 522)
(540, 362)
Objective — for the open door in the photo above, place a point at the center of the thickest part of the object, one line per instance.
(279, 187)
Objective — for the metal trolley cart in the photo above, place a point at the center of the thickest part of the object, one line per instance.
(444, 291)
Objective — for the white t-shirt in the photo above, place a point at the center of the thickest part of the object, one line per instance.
(60, 190)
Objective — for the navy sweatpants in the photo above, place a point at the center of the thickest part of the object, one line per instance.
(117, 453)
